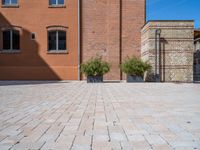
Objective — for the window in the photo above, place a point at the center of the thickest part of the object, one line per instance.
(9, 2)
(32, 36)
(56, 40)
(11, 40)
(56, 2)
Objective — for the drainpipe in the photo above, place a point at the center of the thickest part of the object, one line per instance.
(79, 40)
(157, 56)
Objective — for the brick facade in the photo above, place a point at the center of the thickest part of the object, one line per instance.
(111, 29)
(33, 62)
(108, 28)
(176, 48)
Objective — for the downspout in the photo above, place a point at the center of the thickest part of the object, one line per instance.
(79, 41)
(157, 56)
(120, 38)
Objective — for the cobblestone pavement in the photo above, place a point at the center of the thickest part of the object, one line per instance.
(81, 116)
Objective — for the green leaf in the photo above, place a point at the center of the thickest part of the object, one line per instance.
(95, 66)
(134, 66)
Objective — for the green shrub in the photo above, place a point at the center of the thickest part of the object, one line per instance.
(95, 66)
(134, 66)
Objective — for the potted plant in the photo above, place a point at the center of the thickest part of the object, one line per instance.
(94, 69)
(135, 69)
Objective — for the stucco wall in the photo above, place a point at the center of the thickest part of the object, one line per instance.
(33, 62)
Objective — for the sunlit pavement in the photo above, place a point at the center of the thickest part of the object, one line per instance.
(81, 116)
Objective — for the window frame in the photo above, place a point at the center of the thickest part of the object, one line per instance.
(10, 4)
(55, 28)
(57, 41)
(11, 30)
(57, 4)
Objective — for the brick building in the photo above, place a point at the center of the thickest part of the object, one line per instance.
(111, 28)
(39, 40)
(48, 39)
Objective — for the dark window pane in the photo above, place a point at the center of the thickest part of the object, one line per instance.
(6, 2)
(61, 2)
(33, 36)
(52, 2)
(52, 40)
(6, 40)
(14, 1)
(61, 40)
(16, 40)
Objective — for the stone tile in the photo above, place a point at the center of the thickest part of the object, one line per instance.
(30, 145)
(155, 139)
(5, 146)
(185, 144)
(100, 137)
(162, 147)
(116, 136)
(77, 115)
(141, 145)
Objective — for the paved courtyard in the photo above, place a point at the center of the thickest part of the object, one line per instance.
(81, 116)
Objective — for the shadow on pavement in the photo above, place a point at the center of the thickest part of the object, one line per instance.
(7, 83)
(107, 81)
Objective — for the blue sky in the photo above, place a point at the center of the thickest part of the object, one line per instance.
(174, 10)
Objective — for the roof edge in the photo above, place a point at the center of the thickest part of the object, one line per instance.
(166, 21)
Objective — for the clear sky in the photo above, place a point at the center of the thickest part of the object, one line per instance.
(174, 10)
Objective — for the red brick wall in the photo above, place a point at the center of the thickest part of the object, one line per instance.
(133, 18)
(33, 62)
(111, 28)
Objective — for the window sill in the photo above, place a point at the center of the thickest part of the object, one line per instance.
(57, 6)
(57, 52)
(10, 6)
(10, 51)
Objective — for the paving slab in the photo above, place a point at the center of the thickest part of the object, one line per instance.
(76, 115)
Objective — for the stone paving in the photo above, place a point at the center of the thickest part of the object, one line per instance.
(109, 116)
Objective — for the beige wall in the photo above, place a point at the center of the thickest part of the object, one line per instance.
(177, 49)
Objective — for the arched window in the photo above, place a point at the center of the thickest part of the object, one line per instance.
(11, 39)
(57, 39)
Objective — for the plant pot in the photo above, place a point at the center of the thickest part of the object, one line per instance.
(95, 79)
(134, 78)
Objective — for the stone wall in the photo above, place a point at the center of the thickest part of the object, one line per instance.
(176, 49)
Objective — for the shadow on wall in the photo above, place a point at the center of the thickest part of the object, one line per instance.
(26, 64)
(150, 76)
(196, 69)
(163, 43)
